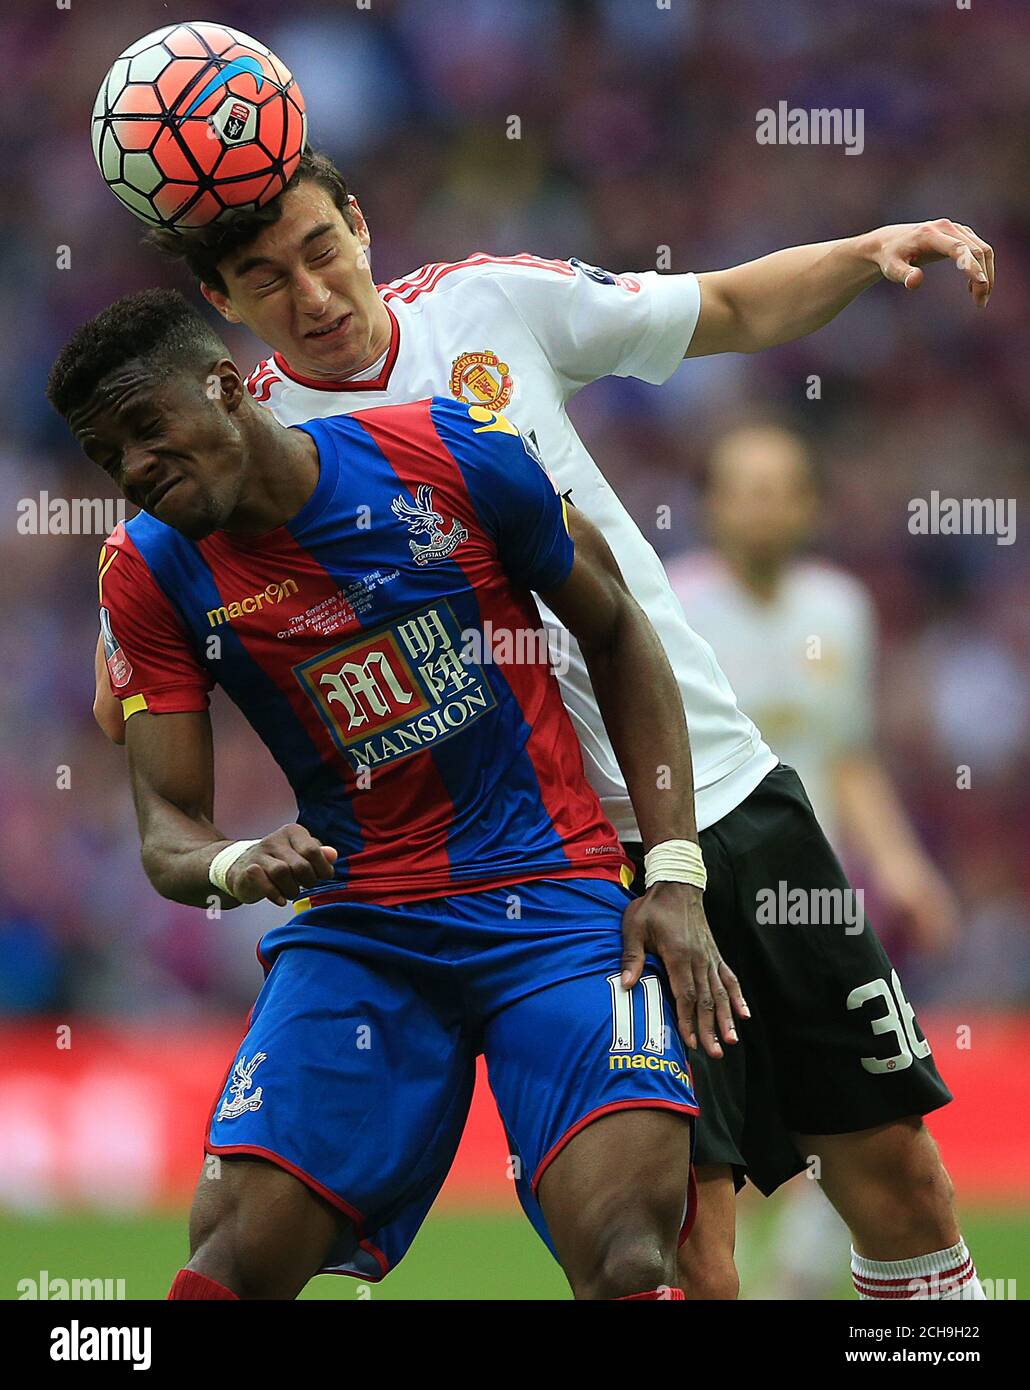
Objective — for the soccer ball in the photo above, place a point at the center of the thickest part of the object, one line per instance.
(194, 121)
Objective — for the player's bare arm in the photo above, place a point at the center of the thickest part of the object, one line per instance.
(643, 714)
(793, 292)
(171, 768)
(872, 813)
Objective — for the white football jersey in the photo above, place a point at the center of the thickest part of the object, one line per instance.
(801, 664)
(521, 335)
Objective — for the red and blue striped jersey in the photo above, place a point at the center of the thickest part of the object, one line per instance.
(361, 641)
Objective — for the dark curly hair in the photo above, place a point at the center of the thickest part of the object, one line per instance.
(205, 249)
(159, 327)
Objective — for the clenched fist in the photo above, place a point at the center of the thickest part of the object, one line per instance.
(280, 867)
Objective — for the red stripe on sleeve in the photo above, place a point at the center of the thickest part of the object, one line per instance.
(425, 280)
(146, 647)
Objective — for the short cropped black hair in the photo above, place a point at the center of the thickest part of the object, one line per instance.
(203, 250)
(155, 326)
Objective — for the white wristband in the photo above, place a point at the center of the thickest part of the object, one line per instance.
(225, 859)
(675, 861)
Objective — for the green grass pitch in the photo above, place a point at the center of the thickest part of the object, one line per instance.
(457, 1255)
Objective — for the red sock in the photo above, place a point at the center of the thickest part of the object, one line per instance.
(663, 1295)
(189, 1284)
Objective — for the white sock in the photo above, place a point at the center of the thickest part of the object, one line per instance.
(944, 1275)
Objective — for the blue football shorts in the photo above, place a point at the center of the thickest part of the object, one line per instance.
(357, 1069)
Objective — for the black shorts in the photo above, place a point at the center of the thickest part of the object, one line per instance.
(832, 1045)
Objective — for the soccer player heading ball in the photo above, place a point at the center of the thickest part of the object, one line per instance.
(522, 334)
(456, 886)
(196, 120)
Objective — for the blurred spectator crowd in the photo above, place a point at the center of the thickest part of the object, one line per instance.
(637, 133)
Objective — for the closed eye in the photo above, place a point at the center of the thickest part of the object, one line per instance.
(276, 281)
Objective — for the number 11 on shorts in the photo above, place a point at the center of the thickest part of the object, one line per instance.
(622, 1015)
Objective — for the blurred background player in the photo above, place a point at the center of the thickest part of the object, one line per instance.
(797, 638)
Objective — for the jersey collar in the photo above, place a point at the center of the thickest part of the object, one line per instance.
(375, 383)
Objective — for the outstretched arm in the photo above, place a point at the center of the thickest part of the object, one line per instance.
(792, 293)
(642, 710)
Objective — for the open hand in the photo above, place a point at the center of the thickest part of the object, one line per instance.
(669, 922)
(901, 250)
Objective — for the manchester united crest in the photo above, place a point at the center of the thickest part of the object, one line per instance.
(481, 378)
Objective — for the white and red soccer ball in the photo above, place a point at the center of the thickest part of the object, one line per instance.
(196, 120)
